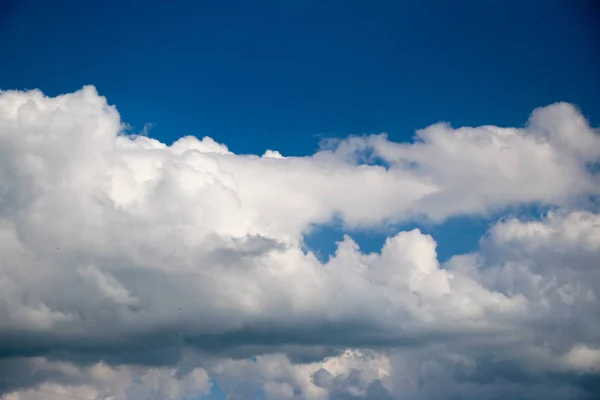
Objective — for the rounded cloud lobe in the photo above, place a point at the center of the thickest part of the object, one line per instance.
(133, 269)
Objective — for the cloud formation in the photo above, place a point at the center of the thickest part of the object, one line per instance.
(133, 269)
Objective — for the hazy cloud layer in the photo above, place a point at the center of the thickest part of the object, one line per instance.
(133, 269)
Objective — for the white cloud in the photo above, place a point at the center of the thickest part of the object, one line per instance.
(164, 266)
(474, 170)
(584, 358)
(107, 285)
(103, 382)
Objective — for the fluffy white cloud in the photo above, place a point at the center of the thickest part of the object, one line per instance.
(62, 380)
(166, 266)
(473, 170)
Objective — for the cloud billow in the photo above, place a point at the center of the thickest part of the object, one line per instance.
(133, 269)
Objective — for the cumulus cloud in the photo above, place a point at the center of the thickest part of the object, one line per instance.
(475, 170)
(133, 269)
(56, 380)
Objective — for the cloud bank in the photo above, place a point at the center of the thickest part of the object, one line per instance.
(130, 269)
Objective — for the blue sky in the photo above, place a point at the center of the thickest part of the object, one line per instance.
(282, 74)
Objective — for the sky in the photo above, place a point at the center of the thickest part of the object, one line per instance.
(299, 199)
